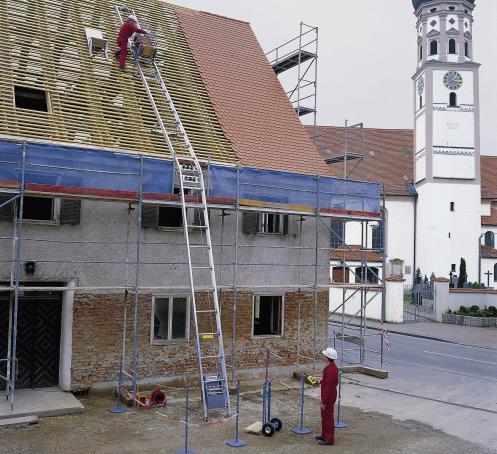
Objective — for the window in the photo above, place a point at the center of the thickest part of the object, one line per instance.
(30, 98)
(466, 49)
(449, 235)
(337, 234)
(453, 100)
(38, 209)
(268, 315)
(270, 223)
(452, 46)
(340, 274)
(420, 53)
(377, 237)
(433, 47)
(368, 275)
(420, 102)
(489, 239)
(452, 206)
(453, 267)
(433, 10)
(452, 8)
(495, 272)
(170, 319)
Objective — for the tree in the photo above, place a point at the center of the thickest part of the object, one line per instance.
(463, 277)
(418, 276)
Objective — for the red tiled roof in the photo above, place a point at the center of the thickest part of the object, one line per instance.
(492, 219)
(488, 252)
(250, 103)
(389, 158)
(489, 177)
(388, 155)
(354, 253)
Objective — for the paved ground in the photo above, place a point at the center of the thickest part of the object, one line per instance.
(452, 387)
(98, 431)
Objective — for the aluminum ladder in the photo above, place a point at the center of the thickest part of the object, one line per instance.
(188, 171)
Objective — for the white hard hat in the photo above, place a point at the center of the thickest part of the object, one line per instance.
(133, 18)
(330, 353)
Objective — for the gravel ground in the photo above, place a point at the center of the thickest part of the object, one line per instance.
(161, 431)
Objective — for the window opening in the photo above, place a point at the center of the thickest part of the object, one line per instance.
(466, 49)
(337, 234)
(453, 100)
(420, 102)
(452, 206)
(495, 272)
(377, 236)
(420, 53)
(340, 274)
(271, 223)
(368, 275)
(31, 98)
(170, 319)
(489, 239)
(433, 47)
(38, 209)
(433, 10)
(453, 267)
(268, 315)
(452, 8)
(452, 46)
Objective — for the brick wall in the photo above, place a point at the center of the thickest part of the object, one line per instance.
(97, 336)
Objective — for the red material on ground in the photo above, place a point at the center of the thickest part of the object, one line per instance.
(329, 384)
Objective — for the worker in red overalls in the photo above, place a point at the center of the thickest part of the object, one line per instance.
(128, 28)
(329, 384)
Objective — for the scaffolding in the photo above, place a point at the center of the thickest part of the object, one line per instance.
(326, 198)
(300, 55)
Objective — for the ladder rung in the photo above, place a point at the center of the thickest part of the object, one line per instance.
(212, 357)
(201, 267)
(193, 226)
(208, 334)
(205, 311)
(197, 246)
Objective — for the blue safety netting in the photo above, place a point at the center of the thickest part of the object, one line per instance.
(100, 170)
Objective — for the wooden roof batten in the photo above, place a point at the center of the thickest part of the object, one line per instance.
(90, 101)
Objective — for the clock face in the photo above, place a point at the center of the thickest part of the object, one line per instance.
(421, 86)
(453, 80)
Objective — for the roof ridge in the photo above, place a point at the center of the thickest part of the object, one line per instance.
(199, 11)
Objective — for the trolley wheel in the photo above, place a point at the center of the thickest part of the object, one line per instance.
(268, 429)
(277, 424)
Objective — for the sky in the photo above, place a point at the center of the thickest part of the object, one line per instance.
(367, 55)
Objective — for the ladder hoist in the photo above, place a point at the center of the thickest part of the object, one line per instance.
(188, 172)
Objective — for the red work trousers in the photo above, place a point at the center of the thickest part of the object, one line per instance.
(328, 424)
(124, 52)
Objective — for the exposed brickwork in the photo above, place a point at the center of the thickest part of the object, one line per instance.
(97, 336)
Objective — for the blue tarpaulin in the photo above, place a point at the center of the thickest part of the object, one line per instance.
(112, 174)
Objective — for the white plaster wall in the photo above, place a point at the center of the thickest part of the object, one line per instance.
(456, 23)
(353, 305)
(448, 164)
(471, 298)
(420, 132)
(453, 127)
(421, 167)
(355, 233)
(435, 250)
(435, 27)
(400, 232)
(465, 94)
(486, 208)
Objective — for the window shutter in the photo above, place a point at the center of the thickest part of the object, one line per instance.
(7, 211)
(285, 224)
(250, 223)
(70, 211)
(150, 216)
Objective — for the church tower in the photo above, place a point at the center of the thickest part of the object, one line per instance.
(447, 139)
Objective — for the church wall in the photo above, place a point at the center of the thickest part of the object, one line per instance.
(454, 234)
(486, 208)
(400, 233)
(465, 94)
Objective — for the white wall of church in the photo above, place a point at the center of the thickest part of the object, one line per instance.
(443, 236)
(400, 233)
(454, 128)
(485, 208)
(420, 132)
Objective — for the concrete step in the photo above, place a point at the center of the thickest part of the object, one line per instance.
(24, 421)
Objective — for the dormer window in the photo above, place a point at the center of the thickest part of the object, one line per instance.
(452, 8)
(31, 98)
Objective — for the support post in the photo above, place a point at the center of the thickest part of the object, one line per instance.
(236, 442)
(339, 423)
(20, 232)
(137, 281)
(301, 430)
(187, 403)
(235, 273)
